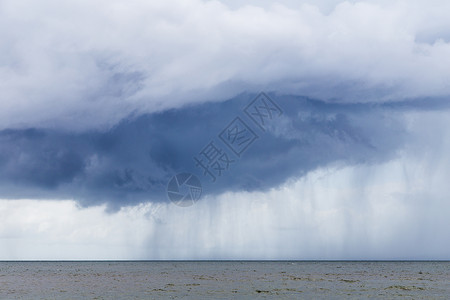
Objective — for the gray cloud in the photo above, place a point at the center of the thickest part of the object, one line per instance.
(133, 161)
(82, 65)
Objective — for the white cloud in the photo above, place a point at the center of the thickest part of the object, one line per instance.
(395, 210)
(83, 64)
(33, 229)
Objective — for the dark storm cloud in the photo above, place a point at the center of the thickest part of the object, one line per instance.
(133, 161)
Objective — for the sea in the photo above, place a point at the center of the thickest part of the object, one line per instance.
(224, 279)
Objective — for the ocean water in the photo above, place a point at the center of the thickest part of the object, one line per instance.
(224, 280)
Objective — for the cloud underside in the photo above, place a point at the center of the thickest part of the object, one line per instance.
(134, 161)
(391, 210)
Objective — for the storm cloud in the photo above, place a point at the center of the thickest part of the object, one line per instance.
(102, 102)
(133, 161)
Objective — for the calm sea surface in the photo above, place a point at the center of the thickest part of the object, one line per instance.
(224, 280)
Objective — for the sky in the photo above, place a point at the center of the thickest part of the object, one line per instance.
(329, 119)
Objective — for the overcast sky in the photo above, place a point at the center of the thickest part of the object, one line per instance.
(102, 102)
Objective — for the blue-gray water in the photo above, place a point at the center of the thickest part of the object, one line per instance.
(224, 280)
